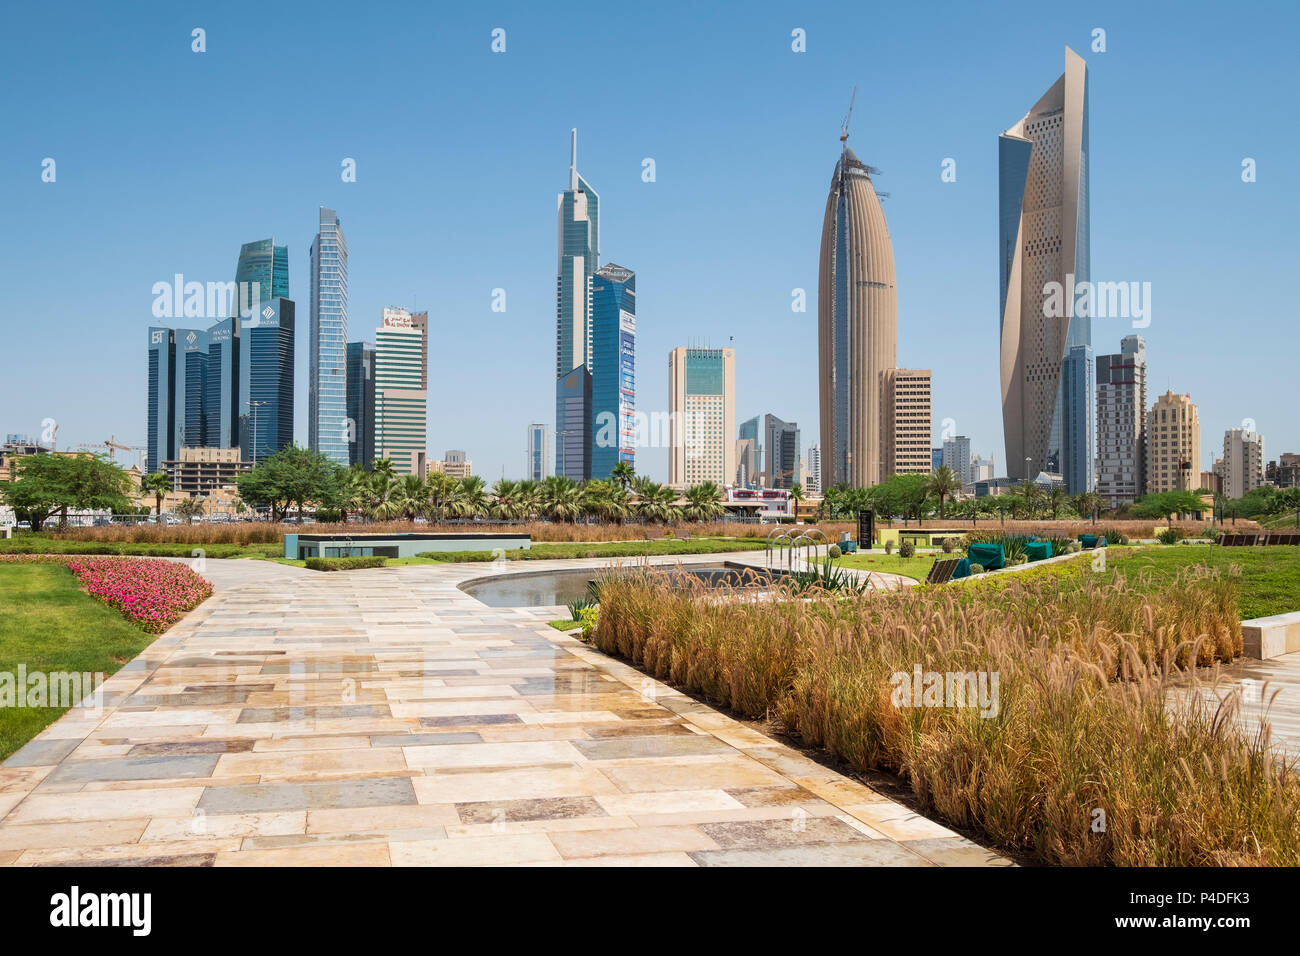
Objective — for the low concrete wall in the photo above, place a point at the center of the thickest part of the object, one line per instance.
(1265, 637)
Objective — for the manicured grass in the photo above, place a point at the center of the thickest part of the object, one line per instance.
(47, 623)
(916, 567)
(44, 544)
(568, 624)
(1270, 576)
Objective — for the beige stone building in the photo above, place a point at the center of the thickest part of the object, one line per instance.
(1173, 444)
(702, 416)
(905, 421)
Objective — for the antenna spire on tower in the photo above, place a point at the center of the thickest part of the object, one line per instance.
(573, 158)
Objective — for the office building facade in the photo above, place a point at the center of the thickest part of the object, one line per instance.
(813, 482)
(1043, 236)
(956, 457)
(1122, 423)
(701, 411)
(857, 324)
(906, 422)
(1173, 438)
(266, 352)
(361, 404)
(401, 392)
(327, 407)
(573, 420)
(613, 368)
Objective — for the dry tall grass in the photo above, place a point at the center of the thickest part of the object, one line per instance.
(1084, 721)
(249, 532)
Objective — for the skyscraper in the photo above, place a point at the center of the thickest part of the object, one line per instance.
(401, 392)
(857, 324)
(782, 452)
(573, 424)
(749, 452)
(1243, 462)
(266, 350)
(160, 443)
(1043, 238)
(327, 407)
(905, 422)
(578, 212)
(537, 463)
(814, 483)
(702, 413)
(956, 456)
(1173, 438)
(361, 403)
(190, 382)
(1122, 423)
(613, 368)
(221, 407)
(266, 264)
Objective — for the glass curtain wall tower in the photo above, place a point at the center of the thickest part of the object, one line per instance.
(613, 368)
(327, 406)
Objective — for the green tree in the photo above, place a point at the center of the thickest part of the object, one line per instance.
(40, 485)
(412, 497)
(293, 476)
(471, 497)
(796, 496)
(623, 474)
(1031, 495)
(561, 498)
(703, 502)
(189, 509)
(1056, 498)
(655, 502)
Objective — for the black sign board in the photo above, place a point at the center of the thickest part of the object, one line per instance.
(866, 528)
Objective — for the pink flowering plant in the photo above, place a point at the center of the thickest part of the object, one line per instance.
(150, 593)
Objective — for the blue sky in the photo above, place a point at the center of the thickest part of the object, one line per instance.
(167, 160)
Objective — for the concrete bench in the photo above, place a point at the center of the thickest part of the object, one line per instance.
(1266, 637)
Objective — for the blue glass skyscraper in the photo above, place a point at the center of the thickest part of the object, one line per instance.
(266, 264)
(613, 368)
(327, 413)
(361, 403)
(579, 255)
(266, 346)
(160, 445)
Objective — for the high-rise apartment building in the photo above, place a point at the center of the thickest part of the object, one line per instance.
(1122, 422)
(537, 460)
(782, 439)
(1243, 462)
(401, 392)
(613, 368)
(361, 404)
(905, 422)
(1043, 231)
(266, 352)
(813, 484)
(956, 457)
(857, 324)
(701, 410)
(327, 406)
(1173, 439)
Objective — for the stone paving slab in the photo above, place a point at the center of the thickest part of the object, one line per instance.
(385, 717)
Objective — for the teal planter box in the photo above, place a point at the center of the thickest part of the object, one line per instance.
(1038, 550)
(990, 557)
(291, 546)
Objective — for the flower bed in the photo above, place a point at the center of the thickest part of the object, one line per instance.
(151, 594)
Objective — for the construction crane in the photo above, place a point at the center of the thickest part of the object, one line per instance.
(844, 127)
(112, 443)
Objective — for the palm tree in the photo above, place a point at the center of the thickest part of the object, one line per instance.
(530, 499)
(159, 482)
(655, 502)
(941, 484)
(623, 474)
(796, 495)
(442, 495)
(1056, 499)
(505, 499)
(412, 496)
(606, 500)
(703, 502)
(353, 490)
(385, 496)
(471, 497)
(1031, 494)
(561, 498)
(189, 509)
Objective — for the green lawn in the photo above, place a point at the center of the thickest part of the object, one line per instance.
(48, 624)
(1270, 577)
(918, 566)
(42, 544)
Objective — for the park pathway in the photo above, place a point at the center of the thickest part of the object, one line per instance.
(384, 717)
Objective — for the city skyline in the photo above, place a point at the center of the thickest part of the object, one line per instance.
(933, 238)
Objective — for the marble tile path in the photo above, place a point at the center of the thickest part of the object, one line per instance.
(384, 717)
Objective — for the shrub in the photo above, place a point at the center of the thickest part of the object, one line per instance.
(1017, 559)
(1112, 534)
(889, 546)
(1085, 717)
(977, 569)
(1169, 536)
(906, 549)
(344, 564)
(834, 551)
(948, 545)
